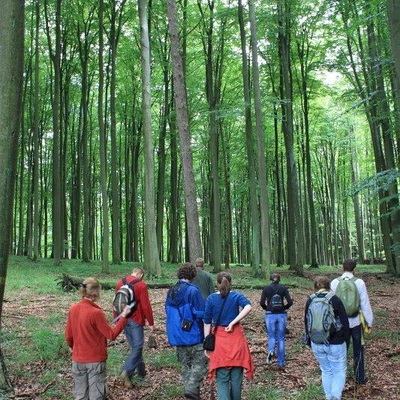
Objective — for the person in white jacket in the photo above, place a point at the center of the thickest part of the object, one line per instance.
(356, 330)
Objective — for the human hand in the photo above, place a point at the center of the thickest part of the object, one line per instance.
(207, 353)
(127, 310)
(229, 328)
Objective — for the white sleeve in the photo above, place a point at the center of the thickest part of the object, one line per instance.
(365, 304)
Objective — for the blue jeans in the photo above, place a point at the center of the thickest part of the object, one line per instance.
(358, 354)
(229, 383)
(332, 361)
(134, 363)
(276, 326)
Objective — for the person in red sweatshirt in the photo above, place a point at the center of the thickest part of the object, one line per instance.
(86, 333)
(134, 330)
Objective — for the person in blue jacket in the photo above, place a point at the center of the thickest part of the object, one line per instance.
(184, 308)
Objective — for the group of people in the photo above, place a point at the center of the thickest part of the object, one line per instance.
(193, 298)
(193, 311)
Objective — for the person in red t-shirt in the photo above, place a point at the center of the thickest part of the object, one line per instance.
(134, 331)
(86, 333)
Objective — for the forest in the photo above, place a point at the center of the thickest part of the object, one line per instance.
(261, 133)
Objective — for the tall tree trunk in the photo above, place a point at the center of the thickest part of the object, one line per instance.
(357, 211)
(84, 58)
(161, 151)
(55, 55)
(105, 269)
(295, 235)
(11, 80)
(173, 250)
(192, 214)
(213, 95)
(262, 164)
(115, 215)
(151, 256)
(255, 224)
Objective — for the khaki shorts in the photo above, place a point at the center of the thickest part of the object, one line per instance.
(90, 381)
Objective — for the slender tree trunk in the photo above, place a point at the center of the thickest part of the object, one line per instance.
(11, 81)
(36, 210)
(255, 224)
(151, 255)
(262, 173)
(295, 234)
(56, 192)
(103, 150)
(115, 215)
(184, 134)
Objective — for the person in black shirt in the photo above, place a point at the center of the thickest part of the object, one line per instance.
(276, 300)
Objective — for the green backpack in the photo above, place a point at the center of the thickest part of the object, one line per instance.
(347, 292)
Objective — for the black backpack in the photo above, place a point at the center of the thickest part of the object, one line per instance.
(125, 296)
(276, 303)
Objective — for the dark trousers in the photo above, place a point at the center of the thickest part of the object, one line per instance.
(358, 354)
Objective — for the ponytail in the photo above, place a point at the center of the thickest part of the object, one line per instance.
(90, 288)
(224, 281)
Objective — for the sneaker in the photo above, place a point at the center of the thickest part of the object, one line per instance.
(269, 357)
(126, 380)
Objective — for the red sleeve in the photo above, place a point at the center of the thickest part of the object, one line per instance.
(68, 333)
(144, 303)
(106, 330)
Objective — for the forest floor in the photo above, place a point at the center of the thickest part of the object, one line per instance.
(382, 352)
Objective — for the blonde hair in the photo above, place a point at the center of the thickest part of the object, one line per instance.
(90, 288)
(138, 272)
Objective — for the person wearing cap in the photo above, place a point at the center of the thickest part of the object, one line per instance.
(86, 333)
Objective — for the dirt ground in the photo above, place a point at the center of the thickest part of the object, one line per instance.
(382, 351)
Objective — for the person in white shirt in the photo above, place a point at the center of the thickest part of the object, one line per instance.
(356, 333)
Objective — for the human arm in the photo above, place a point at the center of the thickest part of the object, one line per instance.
(144, 303)
(207, 329)
(263, 299)
(109, 332)
(245, 310)
(365, 304)
(68, 332)
(197, 302)
(289, 300)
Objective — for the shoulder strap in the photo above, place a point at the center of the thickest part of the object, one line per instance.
(220, 312)
(329, 296)
(133, 282)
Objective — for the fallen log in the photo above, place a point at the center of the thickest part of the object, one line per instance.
(68, 283)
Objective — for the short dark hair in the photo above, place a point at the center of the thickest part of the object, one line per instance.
(275, 277)
(349, 265)
(187, 271)
(322, 282)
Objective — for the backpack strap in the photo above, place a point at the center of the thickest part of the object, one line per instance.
(130, 284)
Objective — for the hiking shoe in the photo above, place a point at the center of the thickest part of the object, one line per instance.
(192, 394)
(269, 357)
(126, 380)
